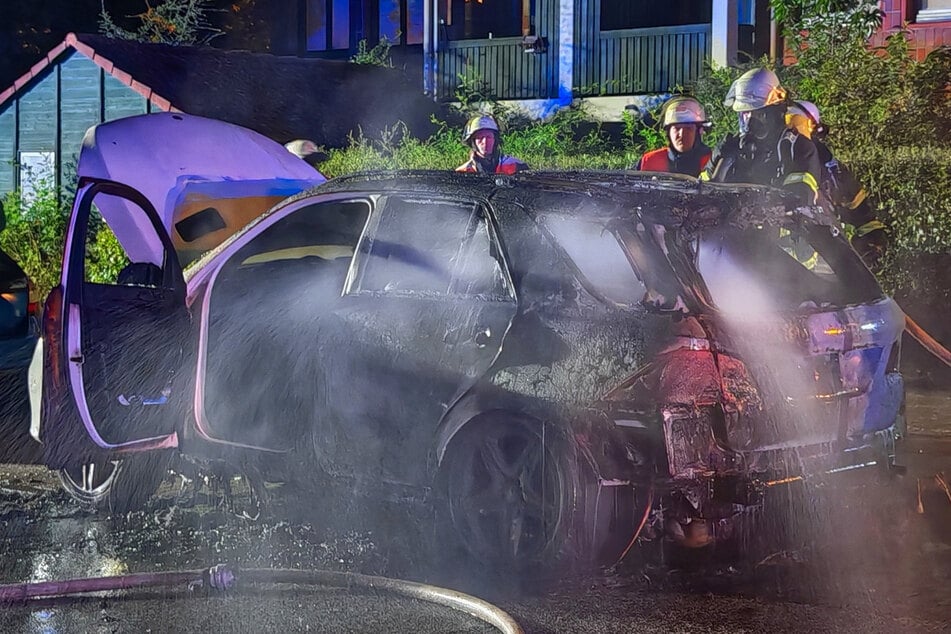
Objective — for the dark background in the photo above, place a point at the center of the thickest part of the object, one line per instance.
(30, 28)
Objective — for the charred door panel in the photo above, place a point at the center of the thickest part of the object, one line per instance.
(423, 318)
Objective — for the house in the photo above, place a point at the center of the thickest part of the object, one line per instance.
(88, 79)
(928, 23)
(542, 50)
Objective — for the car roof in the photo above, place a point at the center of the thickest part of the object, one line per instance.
(675, 201)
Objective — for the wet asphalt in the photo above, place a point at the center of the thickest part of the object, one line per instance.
(852, 555)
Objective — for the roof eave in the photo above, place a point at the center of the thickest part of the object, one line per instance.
(73, 41)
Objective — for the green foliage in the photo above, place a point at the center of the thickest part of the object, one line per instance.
(105, 257)
(378, 55)
(912, 188)
(35, 232)
(880, 97)
(473, 92)
(569, 139)
(831, 20)
(642, 134)
(176, 22)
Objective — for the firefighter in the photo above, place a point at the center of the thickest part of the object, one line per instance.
(482, 135)
(839, 187)
(684, 123)
(767, 151)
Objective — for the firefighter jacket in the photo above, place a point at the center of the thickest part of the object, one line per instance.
(788, 160)
(667, 159)
(841, 190)
(500, 164)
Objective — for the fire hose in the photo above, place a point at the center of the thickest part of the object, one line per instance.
(928, 342)
(222, 577)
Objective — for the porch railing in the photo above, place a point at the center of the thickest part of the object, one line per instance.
(622, 62)
(508, 72)
(632, 61)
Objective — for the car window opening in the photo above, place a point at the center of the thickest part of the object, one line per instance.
(601, 262)
(285, 281)
(805, 267)
(432, 248)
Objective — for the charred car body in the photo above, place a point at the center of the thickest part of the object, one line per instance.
(550, 360)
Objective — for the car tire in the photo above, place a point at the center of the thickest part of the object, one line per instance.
(114, 486)
(510, 489)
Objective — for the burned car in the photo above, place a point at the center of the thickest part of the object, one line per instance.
(549, 361)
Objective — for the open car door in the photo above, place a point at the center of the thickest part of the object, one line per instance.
(124, 333)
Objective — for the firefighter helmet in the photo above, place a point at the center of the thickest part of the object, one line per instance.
(479, 122)
(753, 90)
(806, 109)
(804, 117)
(684, 110)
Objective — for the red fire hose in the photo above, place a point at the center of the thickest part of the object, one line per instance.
(222, 577)
(928, 342)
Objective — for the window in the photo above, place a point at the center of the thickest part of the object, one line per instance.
(763, 271)
(401, 21)
(108, 261)
(37, 174)
(328, 25)
(934, 11)
(432, 247)
(638, 14)
(599, 258)
(316, 235)
(479, 19)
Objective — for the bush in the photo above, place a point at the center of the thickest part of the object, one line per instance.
(36, 233)
(912, 189)
(569, 139)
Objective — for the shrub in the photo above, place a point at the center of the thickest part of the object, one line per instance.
(36, 233)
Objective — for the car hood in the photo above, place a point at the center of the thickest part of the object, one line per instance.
(157, 154)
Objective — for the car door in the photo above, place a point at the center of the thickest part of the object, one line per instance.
(124, 331)
(426, 306)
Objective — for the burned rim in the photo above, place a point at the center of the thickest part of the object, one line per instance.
(117, 486)
(90, 483)
(509, 486)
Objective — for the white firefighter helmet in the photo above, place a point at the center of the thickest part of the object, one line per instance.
(301, 148)
(479, 122)
(753, 90)
(806, 109)
(684, 110)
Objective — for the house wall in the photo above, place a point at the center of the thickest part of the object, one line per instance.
(8, 138)
(924, 36)
(53, 112)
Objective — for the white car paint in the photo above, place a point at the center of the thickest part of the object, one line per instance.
(157, 154)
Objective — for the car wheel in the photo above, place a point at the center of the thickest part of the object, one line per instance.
(115, 486)
(510, 487)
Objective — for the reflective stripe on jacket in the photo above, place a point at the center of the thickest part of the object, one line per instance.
(507, 165)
